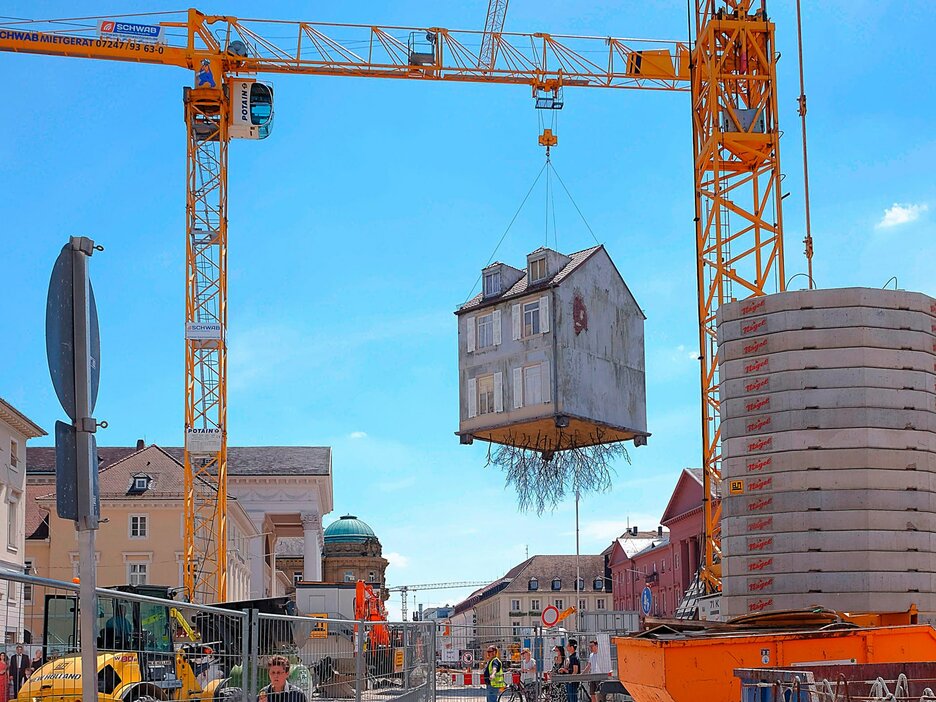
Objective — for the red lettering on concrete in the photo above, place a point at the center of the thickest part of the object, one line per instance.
(756, 346)
(754, 405)
(760, 524)
(759, 464)
(760, 564)
(757, 424)
(760, 544)
(755, 485)
(752, 307)
(759, 384)
(759, 364)
(752, 327)
(758, 505)
(760, 605)
(764, 444)
(759, 585)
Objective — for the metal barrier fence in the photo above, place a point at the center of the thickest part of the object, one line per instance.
(460, 660)
(152, 649)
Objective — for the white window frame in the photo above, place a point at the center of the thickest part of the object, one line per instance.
(583, 605)
(13, 501)
(535, 605)
(531, 319)
(141, 519)
(345, 577)
(560, 604)
(14, 454)
(492, 283)
(600, 603)
(532, 385)
(485, 394)
(485, 334)
(28, 565)
(515, 605)
(141, 568)
(537, 275)
(141, 482)
(297, 577)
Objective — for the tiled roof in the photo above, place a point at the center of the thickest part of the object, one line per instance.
(545, 568)
(633, 544)
(242, 460)
(34, 513)
(655, 545)
(521, 287)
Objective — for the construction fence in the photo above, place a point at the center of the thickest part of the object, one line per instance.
(153, 648)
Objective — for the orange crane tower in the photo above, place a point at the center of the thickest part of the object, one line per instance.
(730, 72)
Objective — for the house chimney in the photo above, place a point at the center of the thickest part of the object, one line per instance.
(659, 532)
(141, 444)
(634, 530)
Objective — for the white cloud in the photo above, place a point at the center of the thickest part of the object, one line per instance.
(357, 435)
(397, 560)
(610, 529)
(901, 214)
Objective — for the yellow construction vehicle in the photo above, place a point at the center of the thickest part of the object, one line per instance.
(138, 659)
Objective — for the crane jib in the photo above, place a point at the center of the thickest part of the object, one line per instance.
(42, 38)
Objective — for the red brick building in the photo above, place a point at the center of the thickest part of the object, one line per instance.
(665, 560)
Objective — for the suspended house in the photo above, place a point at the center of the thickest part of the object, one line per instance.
(551, 356)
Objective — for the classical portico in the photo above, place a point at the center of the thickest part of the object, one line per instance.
(292, 505)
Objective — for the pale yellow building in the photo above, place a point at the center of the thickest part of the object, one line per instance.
(15, 430)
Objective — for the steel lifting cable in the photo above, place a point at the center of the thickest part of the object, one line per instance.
(802, 113)
(574, 203)
(504, 235)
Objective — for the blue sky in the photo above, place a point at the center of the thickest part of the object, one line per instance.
(360, 225)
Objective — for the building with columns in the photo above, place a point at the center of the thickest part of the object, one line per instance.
(275, 492)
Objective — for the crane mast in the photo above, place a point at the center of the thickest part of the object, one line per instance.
(730, 72)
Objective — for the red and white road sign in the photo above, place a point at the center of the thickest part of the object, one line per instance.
(550, 615)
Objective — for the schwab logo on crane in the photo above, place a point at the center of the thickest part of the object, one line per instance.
(149, 33)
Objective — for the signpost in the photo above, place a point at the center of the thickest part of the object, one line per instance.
(73, 347)
(646, 601)
(550, 616)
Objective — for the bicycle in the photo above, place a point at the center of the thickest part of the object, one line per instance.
(519, 692)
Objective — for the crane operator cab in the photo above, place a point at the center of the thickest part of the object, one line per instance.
(251, 109)
(422, 48)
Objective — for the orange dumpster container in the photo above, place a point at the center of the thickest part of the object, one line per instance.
(701, 667)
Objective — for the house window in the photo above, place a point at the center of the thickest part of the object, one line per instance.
(600, 603)
(582, 606)
(533, 385)
(137, 572)
(138, 526)
(485, 331)
(492, 283)
(14, 455)
(581, 584)
(598, 583)
(372, 577)
(537, 269)
(676, 561)
(27, 587)
(516, 628)
(297, 577)
(486, 394)
(559, 604)
(556, 584)
(349, 576)
(535, 605)
(663, 565)
(531, 318)
(13, 520)
(515, 605)
(533, 585)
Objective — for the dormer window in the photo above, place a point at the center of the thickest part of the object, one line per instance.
(598, 584)
(533, 584)
(139, 484)
(492, 283)
(556, 584)
(537, 270)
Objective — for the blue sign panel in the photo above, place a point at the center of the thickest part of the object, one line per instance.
(646, 601)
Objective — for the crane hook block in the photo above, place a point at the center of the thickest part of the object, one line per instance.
(547, 138)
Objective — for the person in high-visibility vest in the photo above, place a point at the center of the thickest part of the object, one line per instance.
(492, 674)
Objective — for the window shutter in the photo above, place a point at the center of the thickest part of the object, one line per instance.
(544, 379)
(516, 322)
(472, 325)
(498, 392)
(497, 327)
(517, 387)
(544, 313)
(472, 398)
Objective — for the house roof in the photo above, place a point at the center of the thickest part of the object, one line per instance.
(657, 543)
(242, 460)
(521, 287)
(19, 421)
(686, 497)
(632, 544)
(35, 514)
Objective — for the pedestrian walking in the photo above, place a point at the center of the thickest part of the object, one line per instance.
(492, 674)
(594, 665)
(280, 689)
(4, 678)
(571, 667)
(528, 673)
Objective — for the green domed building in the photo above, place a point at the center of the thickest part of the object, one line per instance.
(353, 552)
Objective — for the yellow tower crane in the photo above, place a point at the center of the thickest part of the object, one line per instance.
(729, 69)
